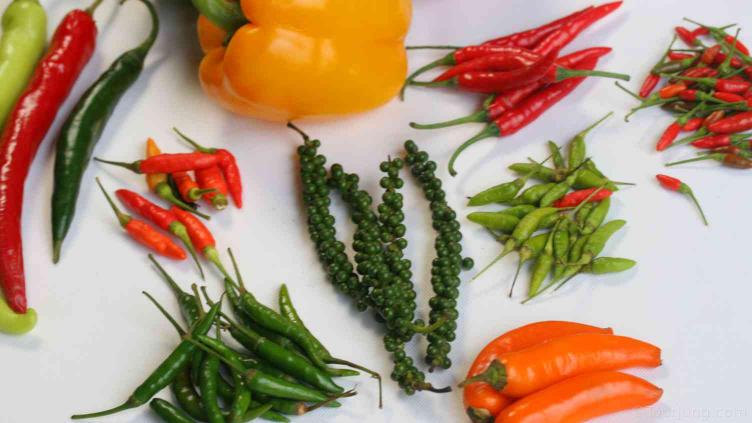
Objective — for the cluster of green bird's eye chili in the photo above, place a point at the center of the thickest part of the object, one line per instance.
(382, 277)
(448, 264)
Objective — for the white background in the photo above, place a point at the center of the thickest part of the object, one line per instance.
(98, 337)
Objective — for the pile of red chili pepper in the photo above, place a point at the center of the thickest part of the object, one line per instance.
(558, 372)
(708, 89)
(557, 223)
(280, 369)
(381, 277)
(169, 177)
(30, 99)
(523, 73)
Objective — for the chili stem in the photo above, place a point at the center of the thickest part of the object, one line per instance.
(699, 207)
(240, 284)
(122, 217)
(696, 159)
(193, 143)
(564, 73)
(487, 132)
(93, 7)
(480, 116)
(167, 315)
(447, 60)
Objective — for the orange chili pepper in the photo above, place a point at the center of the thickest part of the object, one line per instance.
(201, 238)
(482, 401)
(144, 233)
(212, 179)
(672, 90)
(523, 372)
(187, 187)
(582, 398)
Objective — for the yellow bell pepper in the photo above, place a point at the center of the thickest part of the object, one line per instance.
(307, 58)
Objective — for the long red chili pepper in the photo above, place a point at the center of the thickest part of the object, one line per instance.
(673, 184)
(575, 198)
(566, 34)
(533, 36)
(163, 218)
(168, 163)
(526, 112)
(227, 163)
(187, 187)
(27, 124)
(494, 62)
(737, 123)
(720, 84)
(483, 402)
(145, 233)
(201, 237)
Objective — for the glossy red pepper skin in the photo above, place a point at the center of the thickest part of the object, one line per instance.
(495, 82)
(158, 242)
(675, 55)
(575, 198)
(713, 141)
(567, 33)
(535, 105)
(532, 37)
(710, 54)
(728, 97)
(231, 172)
(171, 163)
(669, 182)
(737, 44)
(161, 217)
(692, 125)
(508, 100)
(737, 123)
(669, 136)
(651, 81)
(713, 117)
(735, 61)
(212, 178)
(671, 90)
(686, 35)
(70, 49)
(200, 235)
(515, 58)
(732, 85)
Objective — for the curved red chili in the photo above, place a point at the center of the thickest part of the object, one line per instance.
(27, 124)
(566, 34)
(532, 37)
(201, 237)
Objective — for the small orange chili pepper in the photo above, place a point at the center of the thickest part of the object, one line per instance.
(144, 233)
(211, 178)
(523, 372)
(582, 398)
(482, 401)
(672, 90)
(201, 237)
(188, 188)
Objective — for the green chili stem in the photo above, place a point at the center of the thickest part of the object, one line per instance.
(240, 284)
(628, 91)
(93, 7)
(373, 374)
(193, 143)
(447, 60)
(688, 191)
(170, 281)
(564, 73)
(489, 131)
(182, 234)
(167, 315)
(122, 217)
(480, 116)
(433, 84)
(663, 58)
(131, 403)
(716, 156)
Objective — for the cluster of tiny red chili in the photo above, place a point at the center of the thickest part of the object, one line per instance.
(708, 88)
(169, 177)
(523, 72)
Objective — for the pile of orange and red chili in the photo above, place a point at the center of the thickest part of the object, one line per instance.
(708, 89)
(523, 72)
(555, 371)
(35, 86)
(171, 178)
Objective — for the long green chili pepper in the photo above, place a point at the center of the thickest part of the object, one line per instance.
(189, 307)
(527, 226)
(24, 33)
(240, 405)
(532, 195)
(598, 239)
(166, 372)
(168, 412)
(577, 148)
(208, 379)
(499, 221)
(84, 127)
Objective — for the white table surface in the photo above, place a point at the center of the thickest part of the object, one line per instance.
(98, 337)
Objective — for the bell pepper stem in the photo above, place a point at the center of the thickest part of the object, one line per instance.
(564, 73)
(122, 217)
(480, 116)
(495, 375)
(489, 131)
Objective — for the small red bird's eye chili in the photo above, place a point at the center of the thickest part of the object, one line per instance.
(144, 233)
(201, 237)
(686, 35)
(163, 218)
(227, 163)
(699, 32)
(23, 131)
(721, 58)
(728, 97)
(710, 54)
(731, 125)
(730, 39)
(669, 136)
(651, 81)
(720, 84)
(700, 72)
(673, 184)
(692, 125)
(211, 178)
(675, 55)
(670, 91)
(526, 112)
(187, 187)
(575, 198)
(718, 141)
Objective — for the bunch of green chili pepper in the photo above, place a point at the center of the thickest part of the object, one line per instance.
(214, 382)
(381, 277)
(558, 224)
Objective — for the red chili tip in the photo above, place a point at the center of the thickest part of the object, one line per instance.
(17, 302)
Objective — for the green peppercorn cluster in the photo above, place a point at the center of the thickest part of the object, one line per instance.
(381, 278)
(448, 264)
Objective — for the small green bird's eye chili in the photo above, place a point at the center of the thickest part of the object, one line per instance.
(596, 217)
(499, 221)
(543, 264)
(577, 148)
(557, 157)
(598, 239)
(502, 193)
(602, 265)
(532, 195)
